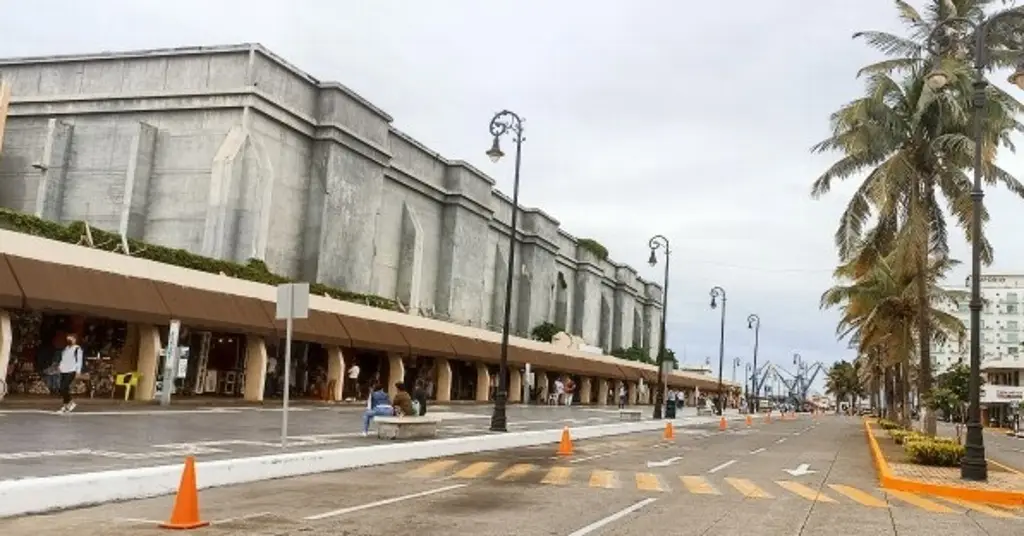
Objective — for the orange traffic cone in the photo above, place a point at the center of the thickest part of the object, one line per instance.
(565, 445)
(722, 424)
(670, 433)
(185, 514)
(750, 420)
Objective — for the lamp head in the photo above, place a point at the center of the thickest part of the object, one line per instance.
(653, 259)
(495, 153)
(937, 79)
(714, 302)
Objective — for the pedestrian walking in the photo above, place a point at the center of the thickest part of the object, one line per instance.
(70, 367)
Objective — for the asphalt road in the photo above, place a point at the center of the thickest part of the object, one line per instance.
(41, 443)
(705, 482)
(998, 446)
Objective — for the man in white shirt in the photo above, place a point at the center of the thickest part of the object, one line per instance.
(70, 366)
(353, 382)
(559, 390)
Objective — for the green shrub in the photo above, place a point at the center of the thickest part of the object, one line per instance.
(888, 425)
(901, 436)
(932, 452)
(253, 270)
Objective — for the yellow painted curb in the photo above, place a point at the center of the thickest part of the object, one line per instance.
(888, 481)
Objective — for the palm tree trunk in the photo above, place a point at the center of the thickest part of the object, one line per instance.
(890, 393)
(924, 338)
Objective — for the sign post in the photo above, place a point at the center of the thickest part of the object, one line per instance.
(170, 362)
(292, 303)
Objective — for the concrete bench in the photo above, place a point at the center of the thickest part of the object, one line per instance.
(406, 427)
(629, 415)
(705, 412)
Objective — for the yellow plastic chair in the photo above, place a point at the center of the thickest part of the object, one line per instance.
(128, 380)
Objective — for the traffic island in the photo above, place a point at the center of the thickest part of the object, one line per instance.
(897, 472)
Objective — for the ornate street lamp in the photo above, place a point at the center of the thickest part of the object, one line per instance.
(754, 323)
(657, 242)
(505, 122)
(719, 292)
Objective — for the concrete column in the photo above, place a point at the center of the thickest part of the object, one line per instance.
(631, 394)
(148, 362)
(515, 386)
(442, 380)
(542, 382)
(5, 345)
(483, 382)
(396, 373)
(255, 368)
(585, 391)
(336, 372)
(53, 168)
(602, 391)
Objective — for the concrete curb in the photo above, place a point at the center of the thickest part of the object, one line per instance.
(890, 481)
(37, 495)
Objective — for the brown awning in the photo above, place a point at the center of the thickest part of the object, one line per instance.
(49, 286)
(475, 349)
(427, 343)
(10, 293)
(374, 335)
(215, 311)
(319, 327)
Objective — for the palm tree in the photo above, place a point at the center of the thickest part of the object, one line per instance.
(912, 146)
(843, 382)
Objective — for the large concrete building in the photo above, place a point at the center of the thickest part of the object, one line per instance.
(231, 152)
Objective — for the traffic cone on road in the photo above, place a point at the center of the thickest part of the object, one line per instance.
(750, 421)
(565, 445)
(670, 433)
(722, 425)
(185, 514)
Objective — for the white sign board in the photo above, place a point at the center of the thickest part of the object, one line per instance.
(292, 301)
(170, 356)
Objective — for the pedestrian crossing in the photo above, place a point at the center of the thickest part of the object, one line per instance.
(563, 475)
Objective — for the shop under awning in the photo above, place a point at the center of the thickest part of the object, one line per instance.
(10, 293)
(318, 326)
(62, 288)
(215, 311)
(427, 343)
(374, 335)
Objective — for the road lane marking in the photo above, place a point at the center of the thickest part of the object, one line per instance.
(385, 502)
(594, 457)
(781, 440)
(433, 468)
(603, 479)
(978, 507)
(648, 482)
(859, 496)
(612, 518)
(758, 451)
(804, 491)
(723, 466)
(517, 471)
(748, 488)
(557, 476)
(698, 485)
(920, 502)
(475, 470)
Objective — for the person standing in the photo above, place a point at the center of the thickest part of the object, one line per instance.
(353, 382)
(559, 391)
(570, 390)
(70, 367)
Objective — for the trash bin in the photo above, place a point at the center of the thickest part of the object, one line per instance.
(670, 409)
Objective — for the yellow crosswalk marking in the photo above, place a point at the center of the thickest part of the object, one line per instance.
(432, 468)
(748, 488)
(517, 471)
(648, 482)
(558, 476)
(857, 495)
(979, 507)
(603, 479)
(698, 485)
(804, 491)
(475, 470)
(920, 502)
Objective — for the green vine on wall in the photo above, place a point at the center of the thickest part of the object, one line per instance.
(594, 247)
(253, 270)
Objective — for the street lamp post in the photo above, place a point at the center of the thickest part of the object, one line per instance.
(656, 242)
(505, 122)
(973, 465)
(754, 322)
(719, 292)
(748, 380)
(735, 363)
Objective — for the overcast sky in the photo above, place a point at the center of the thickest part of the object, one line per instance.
(692, 120)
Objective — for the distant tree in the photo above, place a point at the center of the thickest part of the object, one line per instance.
(545, 331)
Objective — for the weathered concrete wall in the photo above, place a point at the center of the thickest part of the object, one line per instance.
(232, 152)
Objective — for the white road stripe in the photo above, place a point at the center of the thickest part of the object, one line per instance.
(614, 517)
(384, 502)
(723, 466)
(781, 440)
(758, 451)
(594, 457)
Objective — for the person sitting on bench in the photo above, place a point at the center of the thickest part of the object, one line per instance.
(403, 402)
(377, 405)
